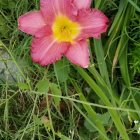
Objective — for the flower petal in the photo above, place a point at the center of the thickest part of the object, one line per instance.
(46, 50)
(80, 4)
(31, 22)
(78, 53)
(93, 23)
(48, 10)
(51, 8)
(44, 31)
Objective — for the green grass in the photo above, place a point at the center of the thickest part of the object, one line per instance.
(64, 101)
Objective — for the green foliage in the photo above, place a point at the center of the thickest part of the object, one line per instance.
(135, 60)
(104, 118)
(63, 101)
(62, 70)
(23, 86)
(42, 86)
(56, 91)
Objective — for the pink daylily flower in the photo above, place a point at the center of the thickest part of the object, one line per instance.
(62, 27)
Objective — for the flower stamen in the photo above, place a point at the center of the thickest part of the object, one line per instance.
(65, 30)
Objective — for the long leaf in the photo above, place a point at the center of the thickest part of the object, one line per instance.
(101, 94)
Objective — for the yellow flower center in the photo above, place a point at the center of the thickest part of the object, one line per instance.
(65, 30)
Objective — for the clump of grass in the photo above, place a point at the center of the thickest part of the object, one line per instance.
(63, 101)
(135, 61)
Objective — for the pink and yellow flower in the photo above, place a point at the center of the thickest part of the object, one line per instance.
(61, 27)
